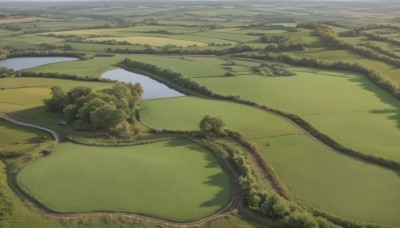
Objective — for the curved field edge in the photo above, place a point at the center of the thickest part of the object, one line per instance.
(175, 174)
(272, 139)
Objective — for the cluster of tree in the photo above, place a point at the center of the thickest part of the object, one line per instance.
(6, 72)
(24, 52)
(3, 52)
(271, 205)
(151, 50)
(47, 46)
(219, 44)
(380, 50)
(377, 26)
(212, 126)
(286, 47)
(104, 55)
(377, 37)
(60, 76)
(329, 37)
(112, 109)
(273, 39)
(272, 69)
(11, 27)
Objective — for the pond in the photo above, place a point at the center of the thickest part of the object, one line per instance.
(152, 88)
(20, 63)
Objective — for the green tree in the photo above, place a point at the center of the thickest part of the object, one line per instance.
(85, 111)
(107, 117)
(212, 126)
(58, 100)
(70, 111)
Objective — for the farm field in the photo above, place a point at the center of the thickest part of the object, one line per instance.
(152, 173)
(264, 92)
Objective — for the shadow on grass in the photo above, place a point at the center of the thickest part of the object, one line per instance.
(219, 180)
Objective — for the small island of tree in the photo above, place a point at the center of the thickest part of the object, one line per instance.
(113, 109)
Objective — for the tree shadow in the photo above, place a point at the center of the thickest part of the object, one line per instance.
(220, 180)
(383, 96)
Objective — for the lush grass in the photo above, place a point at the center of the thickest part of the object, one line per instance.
(333, 181)
(175, 180)
(252, 122)
(316, 175)
(361, 115)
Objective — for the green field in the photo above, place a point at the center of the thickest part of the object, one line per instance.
(289, 147)
(174, 180)
(340, 115)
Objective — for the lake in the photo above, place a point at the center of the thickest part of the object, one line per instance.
(152, 88)
(20, 63)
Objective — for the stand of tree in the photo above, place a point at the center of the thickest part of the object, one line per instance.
(112, 110)
(330, 38)
(60, 76)
(151, 50)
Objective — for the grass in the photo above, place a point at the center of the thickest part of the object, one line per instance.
(309, 169)
(357, 189)
(85, 68)
(175, 180)
(251, 122)
(361, 115)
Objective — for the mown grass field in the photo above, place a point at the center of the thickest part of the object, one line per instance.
(174, 180)
(315, 168)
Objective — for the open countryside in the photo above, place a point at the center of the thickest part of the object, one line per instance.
(200, 114)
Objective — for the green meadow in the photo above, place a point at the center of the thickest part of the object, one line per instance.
(174, 180)
(283, 145)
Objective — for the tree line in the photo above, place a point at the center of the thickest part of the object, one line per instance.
(330, 38)
(151, 50)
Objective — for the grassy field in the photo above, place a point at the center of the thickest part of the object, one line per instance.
(175, 180)
(357, 189)
(359, 105)
(288, 145)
